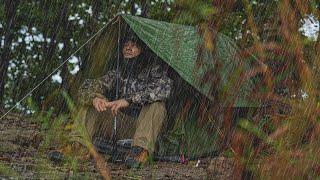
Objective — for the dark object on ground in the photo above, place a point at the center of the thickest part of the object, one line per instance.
(137, 157)
(56, 156)
(123, 147)
(118, 154)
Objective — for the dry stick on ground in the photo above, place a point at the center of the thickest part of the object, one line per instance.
(84, 138)
(101, 165)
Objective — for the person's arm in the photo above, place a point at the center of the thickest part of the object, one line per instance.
(158, 88)
(92, 88)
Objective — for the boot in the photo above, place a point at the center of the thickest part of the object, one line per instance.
(137, 157)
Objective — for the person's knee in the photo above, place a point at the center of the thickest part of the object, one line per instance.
(159, 106)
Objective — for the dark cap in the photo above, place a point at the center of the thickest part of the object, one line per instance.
(131, 36)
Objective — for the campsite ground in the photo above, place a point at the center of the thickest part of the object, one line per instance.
(22, 157)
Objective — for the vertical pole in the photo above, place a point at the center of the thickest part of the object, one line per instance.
(117, 73)
(114, 133)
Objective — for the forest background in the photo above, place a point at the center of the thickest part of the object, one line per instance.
(37, 36)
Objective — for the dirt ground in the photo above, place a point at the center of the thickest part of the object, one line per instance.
(21, 158)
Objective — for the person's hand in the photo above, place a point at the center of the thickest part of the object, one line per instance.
(117, 105)
(99, 104)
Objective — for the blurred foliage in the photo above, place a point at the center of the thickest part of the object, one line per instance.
(272, 143)
(282, 137)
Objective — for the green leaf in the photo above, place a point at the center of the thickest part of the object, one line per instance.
(250, 127)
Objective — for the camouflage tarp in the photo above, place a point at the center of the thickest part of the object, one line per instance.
(179, 46)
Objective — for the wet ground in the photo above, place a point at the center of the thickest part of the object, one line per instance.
(22, 158)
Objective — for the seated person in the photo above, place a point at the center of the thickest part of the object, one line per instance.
(143, 89)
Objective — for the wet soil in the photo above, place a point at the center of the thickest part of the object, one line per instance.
(22, 158)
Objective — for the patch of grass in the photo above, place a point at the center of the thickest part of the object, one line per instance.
(7, 171)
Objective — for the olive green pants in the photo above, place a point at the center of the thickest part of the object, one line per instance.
(143, 130)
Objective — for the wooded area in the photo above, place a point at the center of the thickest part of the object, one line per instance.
(278, 140)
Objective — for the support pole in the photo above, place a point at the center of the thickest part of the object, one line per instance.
(115, 120)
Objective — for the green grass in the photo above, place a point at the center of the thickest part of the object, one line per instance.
(5, 170)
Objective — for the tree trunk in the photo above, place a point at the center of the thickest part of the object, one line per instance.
(57, 25)
(50, 50)
(10, 8)
(66, 34)
(66, 78)
(145, 8)
(133, 10)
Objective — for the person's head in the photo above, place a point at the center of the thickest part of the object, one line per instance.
(131, 49)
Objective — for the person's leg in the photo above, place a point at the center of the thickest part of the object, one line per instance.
(89, 123)
(101, 124)
(149, 123)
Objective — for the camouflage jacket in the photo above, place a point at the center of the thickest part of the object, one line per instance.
(148, 85)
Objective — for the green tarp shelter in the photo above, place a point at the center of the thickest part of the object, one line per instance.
(178, 46)
(181, 47)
